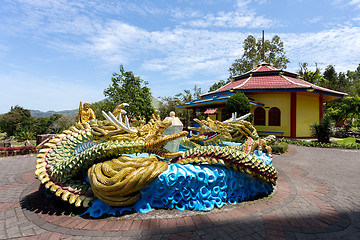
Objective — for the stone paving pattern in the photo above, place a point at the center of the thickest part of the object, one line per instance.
(317, 197)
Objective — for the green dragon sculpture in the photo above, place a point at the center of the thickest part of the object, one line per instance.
(213, 132)
(98, 150)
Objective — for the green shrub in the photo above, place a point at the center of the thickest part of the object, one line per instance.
(238, 103)
(279, 147)
(25, 135)
(323, 130)
(319, 144)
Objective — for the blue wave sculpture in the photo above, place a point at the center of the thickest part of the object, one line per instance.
(193, 187)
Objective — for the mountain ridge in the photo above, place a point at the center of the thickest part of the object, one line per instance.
(38, 113)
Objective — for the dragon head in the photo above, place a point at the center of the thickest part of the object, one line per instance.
(208, 133)
(212, 131)
(152, 135)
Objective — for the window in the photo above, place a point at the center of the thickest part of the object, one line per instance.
(274, 116)
(259, 116)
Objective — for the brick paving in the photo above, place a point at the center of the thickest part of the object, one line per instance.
(317, 197)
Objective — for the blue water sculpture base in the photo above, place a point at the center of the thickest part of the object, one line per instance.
(193, 187)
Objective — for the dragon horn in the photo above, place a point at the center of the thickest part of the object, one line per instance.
(127, 122)
(126, 127)
(237, 119)
(112, 118)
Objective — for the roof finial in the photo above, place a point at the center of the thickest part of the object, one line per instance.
(263, 42)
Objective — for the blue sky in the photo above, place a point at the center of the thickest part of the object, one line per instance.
(56, 53)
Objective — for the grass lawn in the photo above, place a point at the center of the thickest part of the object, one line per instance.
(345, 141)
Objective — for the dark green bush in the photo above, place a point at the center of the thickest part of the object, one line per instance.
(279, 147)
(323, 130)
(238, 103)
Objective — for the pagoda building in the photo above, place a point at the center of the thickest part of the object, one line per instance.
(281, 103)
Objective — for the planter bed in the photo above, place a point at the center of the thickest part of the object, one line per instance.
(15, 151)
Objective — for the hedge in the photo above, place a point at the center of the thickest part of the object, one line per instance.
(319, 144)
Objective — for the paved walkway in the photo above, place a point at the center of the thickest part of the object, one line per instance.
(317, 197)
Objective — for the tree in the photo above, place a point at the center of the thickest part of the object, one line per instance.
(126, 88)
(329, 79)
(346, 108)
(62, 123)
(274, 54)
(331, 76)
(343, 83)
(238, 103)
(19, 122)
(335, 81)
(218, 85)
(354, 80)
(40, 125)
(170, 104)
(314, 77)
(15, 120)
(105, 105)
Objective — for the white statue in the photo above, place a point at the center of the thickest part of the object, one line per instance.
(175, 127)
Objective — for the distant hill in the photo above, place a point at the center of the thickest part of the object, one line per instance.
(37, 113)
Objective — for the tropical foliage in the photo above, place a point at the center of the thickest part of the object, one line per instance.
(323, 130)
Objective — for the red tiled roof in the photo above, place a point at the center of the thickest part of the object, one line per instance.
(264, 67)
(266, 77)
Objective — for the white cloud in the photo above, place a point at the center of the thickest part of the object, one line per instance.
(343, 3)
(48, 17)
(242, 3)
(339, 47)
(179, 52)
(81, 17)
(315, 19)
(355, 3)
(232, 20)
(178, 13)
(243, 16)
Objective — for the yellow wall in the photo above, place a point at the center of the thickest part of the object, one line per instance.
(212, 116)
(307, 111)
(279, 100)
(306, 114)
